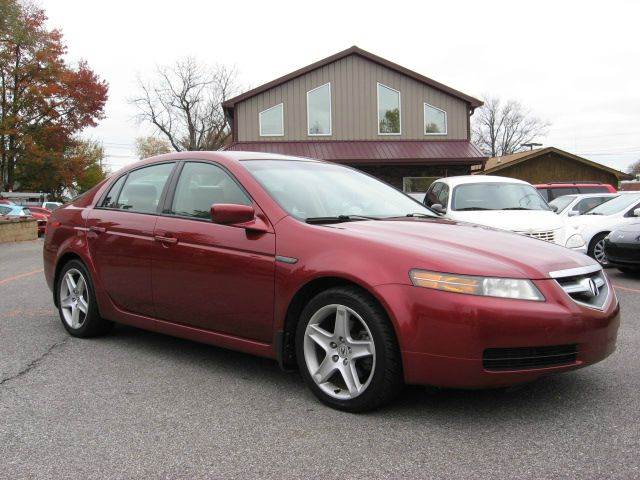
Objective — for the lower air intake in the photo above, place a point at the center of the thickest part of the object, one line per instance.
(528, 358)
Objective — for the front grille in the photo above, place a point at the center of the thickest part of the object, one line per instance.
(586, 285)
(547, 236)
(527, 358)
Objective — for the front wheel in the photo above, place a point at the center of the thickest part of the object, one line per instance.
(596, 249)
(347, 351)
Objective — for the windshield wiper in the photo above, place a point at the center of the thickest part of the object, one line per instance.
(517, 208)
(338, 219)
(419, 214)
(468, 209)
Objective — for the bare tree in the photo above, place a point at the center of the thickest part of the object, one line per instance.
(634, 168)
(503, 128)
(184, 103)
(150, 146)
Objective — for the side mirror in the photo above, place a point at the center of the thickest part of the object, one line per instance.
(636, 212)
(573, 213)
(241, 216)
(229, 214)
(436, 207)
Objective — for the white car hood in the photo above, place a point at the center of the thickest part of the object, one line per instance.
(513, 220)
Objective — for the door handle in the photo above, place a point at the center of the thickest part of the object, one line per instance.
(167, 240)
(97, 229)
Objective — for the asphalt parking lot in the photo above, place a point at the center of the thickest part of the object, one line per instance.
(136, 404)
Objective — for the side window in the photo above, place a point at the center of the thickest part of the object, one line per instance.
(110, 200)
(432, 195)
(4, 210)
(201, 185)
(143, 187)
(443, 195)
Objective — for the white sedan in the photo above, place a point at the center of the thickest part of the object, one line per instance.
(587, 232)
(574, 205)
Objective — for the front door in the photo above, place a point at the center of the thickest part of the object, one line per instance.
(215, 277)
(120, 237)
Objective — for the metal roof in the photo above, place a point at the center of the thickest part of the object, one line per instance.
(371, 152)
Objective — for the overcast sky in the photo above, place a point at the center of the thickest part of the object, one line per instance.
(574, 63)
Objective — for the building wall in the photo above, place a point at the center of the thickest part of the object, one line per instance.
(555, 168)
(353, 104)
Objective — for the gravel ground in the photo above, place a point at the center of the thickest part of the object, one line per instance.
(136, 404)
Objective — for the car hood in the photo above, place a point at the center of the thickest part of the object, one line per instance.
(464, 248)
(513, 220)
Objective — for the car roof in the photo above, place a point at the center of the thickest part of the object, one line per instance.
(468, 179)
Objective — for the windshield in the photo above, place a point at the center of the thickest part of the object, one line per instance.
(614, 206)
(315, 190)
(562, 202)
(497, 196)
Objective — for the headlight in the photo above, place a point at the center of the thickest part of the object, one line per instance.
(485, 286)
(575, 241)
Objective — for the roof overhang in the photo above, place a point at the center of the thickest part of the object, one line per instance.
(372, 152)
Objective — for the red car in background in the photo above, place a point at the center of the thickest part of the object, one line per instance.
(325, 268)
(551, 191)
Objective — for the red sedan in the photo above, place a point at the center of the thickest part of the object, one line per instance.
(326, 269)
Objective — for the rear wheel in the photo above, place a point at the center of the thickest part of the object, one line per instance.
(77, 304)
(347, 351)
(596, 249)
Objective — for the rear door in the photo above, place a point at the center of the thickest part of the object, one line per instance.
(120, 236)
(212, 276)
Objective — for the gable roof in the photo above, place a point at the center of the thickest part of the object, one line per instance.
(495, 164)
(473, 102)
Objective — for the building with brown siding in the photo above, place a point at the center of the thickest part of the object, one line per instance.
(358, 109)
(552, 165)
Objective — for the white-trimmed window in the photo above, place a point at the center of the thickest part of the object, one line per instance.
(435, 120)
(389, 111)
(271, 121)
(319, 110)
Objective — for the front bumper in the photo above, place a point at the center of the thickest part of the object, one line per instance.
(443, 335)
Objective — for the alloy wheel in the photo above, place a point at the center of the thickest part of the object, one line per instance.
(339, 351)
(598, 252)
(74, 298)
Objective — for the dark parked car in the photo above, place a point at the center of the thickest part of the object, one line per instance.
(622, 248)
(325, 268)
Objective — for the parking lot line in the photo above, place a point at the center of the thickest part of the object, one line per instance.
(626, 289)
(21, 275)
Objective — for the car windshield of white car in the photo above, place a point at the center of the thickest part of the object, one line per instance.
(562, 202)
(497, 196)
(320, 192)
(614, 206)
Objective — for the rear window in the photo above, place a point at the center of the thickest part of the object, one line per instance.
(560, 191)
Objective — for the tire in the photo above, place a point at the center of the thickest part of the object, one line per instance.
(357, 368)
(596, 248)
(81, 302)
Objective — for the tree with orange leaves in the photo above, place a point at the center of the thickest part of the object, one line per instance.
(44, 101)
